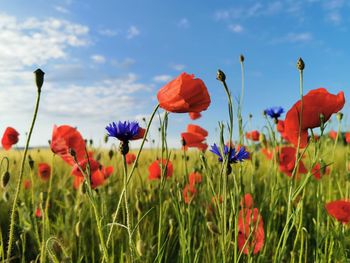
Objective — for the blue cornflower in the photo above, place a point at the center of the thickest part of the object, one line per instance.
(232, 155)
(123, 131)
(274, 112)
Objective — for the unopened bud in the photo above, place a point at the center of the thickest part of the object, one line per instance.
(110, 154)
(31, 162)
(340, 116)
(124, 148)
(241, 58)
(221, 76)
(105, 138)
(5, 179)
(39, 78)
(300, 64)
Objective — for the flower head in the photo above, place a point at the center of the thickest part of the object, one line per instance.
(253, 135)
(232, 155)
(184, 94)
(125, 131)
(274, 112)
(194, 115)
(155, 169)
(44, 171)
(340, 210)
(9, 138)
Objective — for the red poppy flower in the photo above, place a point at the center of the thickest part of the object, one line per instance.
(94, 166)
(44, 171)
(107, 171)
(184, 94)
(250, 220)
(188, 193)
(194, 178)
(333, 134)
(268, 153)
(287, 161)
(281, 130)
(247, 201)
(65, 138)
(318, 171)
(130, 158)
(253, 135)
(27, 184)
(155, 169)
(194, 115)
(347, 137)
(192, 128)
(315, 103)
(194, 140)
(340, 210)
(9, 138)
(38, 213)
(140, 134)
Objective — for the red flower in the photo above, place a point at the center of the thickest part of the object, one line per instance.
(250, 220)
(287, 161)
(188, 193)
(247, 201)
(194, 178)
(197, 129)
(9, 138)
(268, 153)
(107, 171)
(184, 94)
(140, 134)
(347, 137)
(65, 138)
(315, 103)
(44, 171)
(27, 184)
(130, 158)
(38, 213)
(333, 134)
(194, 115)
(155, 170)
(94, 166)
(98, 177)
(340, 210)
(281, 130)
(194, 140)
(253, 135)
(318, 171)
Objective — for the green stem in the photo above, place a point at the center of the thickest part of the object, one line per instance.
(18, 187)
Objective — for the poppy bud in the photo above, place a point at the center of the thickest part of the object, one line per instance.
(91, 142)
(220, 75)
(110, 154)
(241, 58)
(39, 78)
(141, 247)
(31, 162)
(339, 116)
(300, 64)
(213, 228)
(105, 138)
(5, 179)
(250, 115)
(98, 157)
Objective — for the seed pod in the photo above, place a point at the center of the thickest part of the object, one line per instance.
(5, 179)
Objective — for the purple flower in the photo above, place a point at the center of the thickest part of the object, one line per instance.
(123, 131)
(232, 155)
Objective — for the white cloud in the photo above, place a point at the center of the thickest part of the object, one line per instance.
(178, 67)
(162, 78)
(304, 37)
(108, 32)
(183, 23)
(35, 42)
(99, 59)
(236, 28)
(61, 9)
(334, 17)
(133, 31)
(124, 64)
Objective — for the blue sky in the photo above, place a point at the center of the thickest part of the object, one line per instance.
(106, 60)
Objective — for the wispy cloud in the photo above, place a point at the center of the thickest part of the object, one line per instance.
(303, 37)
(108, 32)
(132, 32)
(183, 23)
(178, 67)
(162, 78)
(236, 28)
(124, 64)
(61, 9)
(99, 59)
